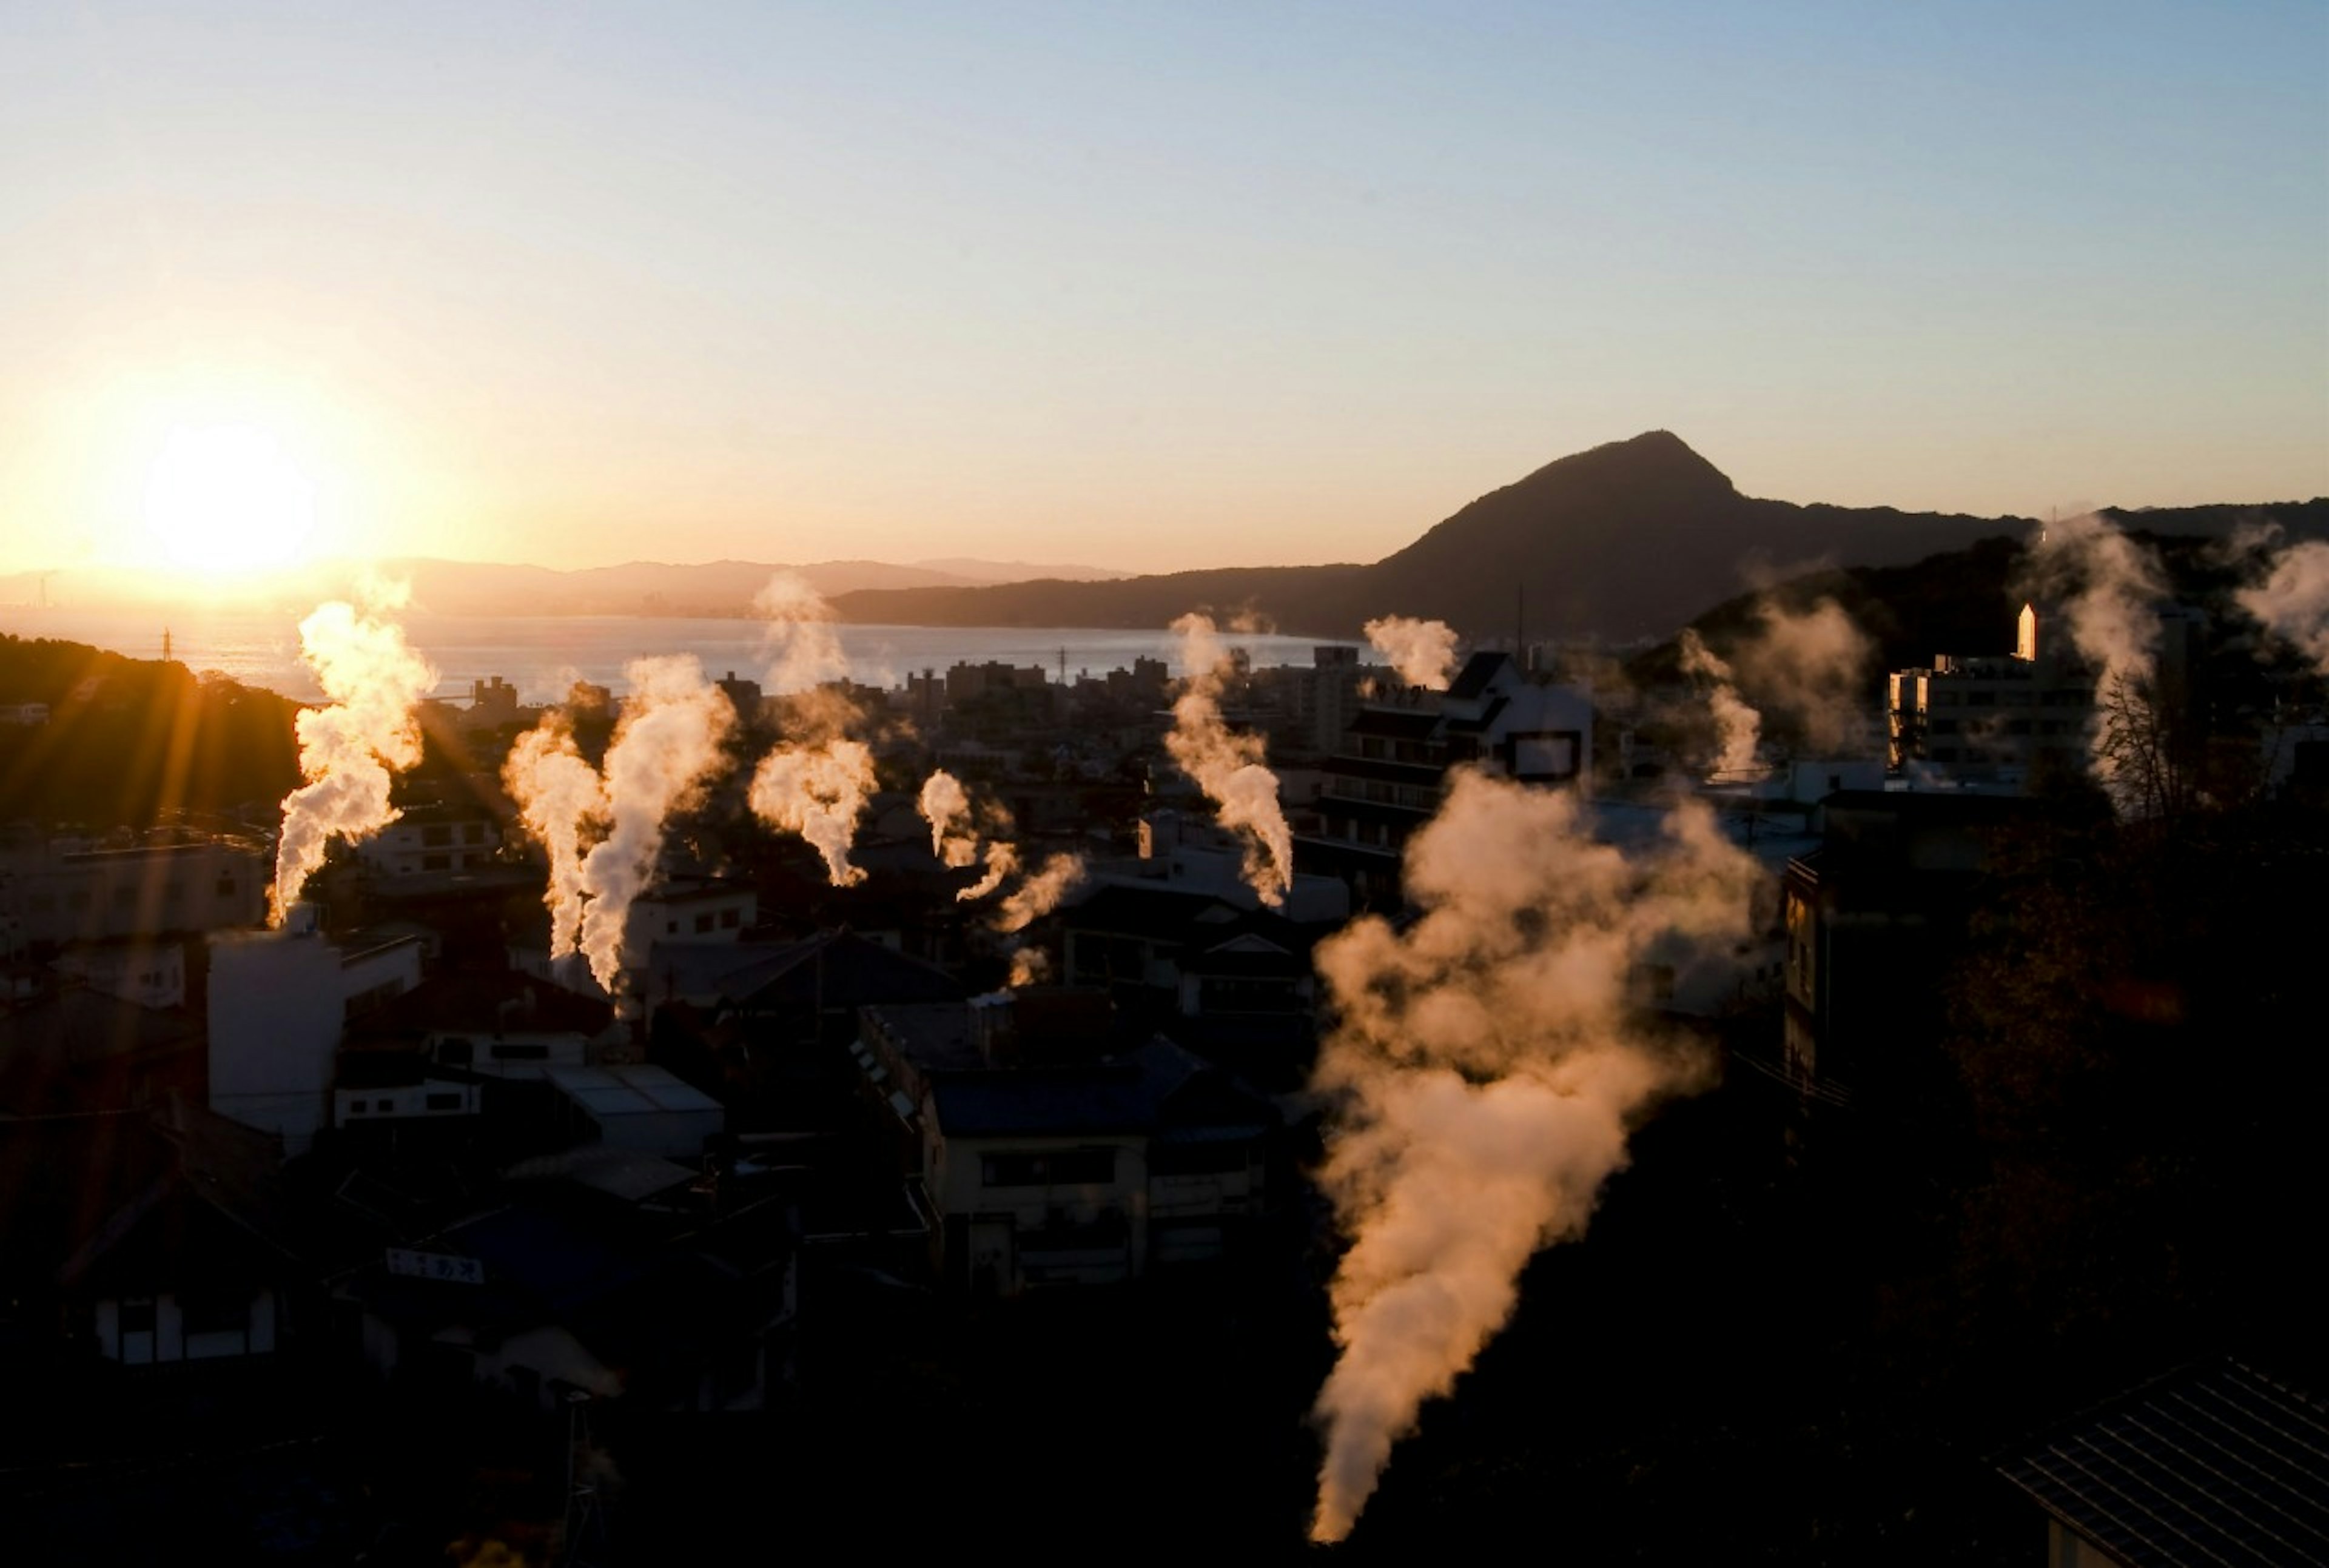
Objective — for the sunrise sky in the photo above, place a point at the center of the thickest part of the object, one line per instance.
(1146, 287)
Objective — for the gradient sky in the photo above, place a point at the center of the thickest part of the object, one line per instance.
(1146, 286)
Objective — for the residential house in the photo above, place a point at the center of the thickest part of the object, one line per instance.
(1040, 1168)
(144, 1238)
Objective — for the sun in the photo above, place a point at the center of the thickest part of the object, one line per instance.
(224, 499)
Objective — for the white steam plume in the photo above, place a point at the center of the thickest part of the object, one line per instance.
(818, 792)
(666, 745)
(1740, 727)
(1488, 1068)
(1228, 766)
(1002, 860)
(1039, 894)
(348, 749)
(804, 648)
(945, 804)
(560, 798)
(2293, 600)
(1422, 651)
(815, 786)
(1811, 667)
(2110, 584)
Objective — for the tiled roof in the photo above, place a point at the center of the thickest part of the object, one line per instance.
(1477, 671)
(2214, 1464)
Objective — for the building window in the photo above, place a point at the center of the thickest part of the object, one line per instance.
(521, 1053)
(729, 919)
(473, 832)
(436, 862)
(703, 922)
(137, 1315)
(444, 1102)
(437, 835)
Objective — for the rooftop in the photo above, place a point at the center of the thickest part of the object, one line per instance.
(637, 1090)
(2215, 1464)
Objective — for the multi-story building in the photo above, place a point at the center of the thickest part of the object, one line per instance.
(1993, 718)
(1390, 770)
(432, 839)
(51, 895)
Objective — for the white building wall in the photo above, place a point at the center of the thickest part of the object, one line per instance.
(276, 1006)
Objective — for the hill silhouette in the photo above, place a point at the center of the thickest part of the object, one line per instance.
(1627, 541)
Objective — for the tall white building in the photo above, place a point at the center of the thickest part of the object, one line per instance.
(278, 1002)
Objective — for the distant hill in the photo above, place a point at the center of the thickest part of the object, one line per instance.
(1624, 542)
(724, 587)
(973, 569)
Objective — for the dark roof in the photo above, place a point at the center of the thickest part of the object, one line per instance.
(149, 1197)
(488, 1002)
(78, 1049)
(932, 1036)
(1478, 670)
(1164, 913)
(2213, 1464)
(1496, 705)
(840, 969)
(1160, 1084)
(1937, 805)
(1400, 723)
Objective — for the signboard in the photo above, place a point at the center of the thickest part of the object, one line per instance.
(436, 1266)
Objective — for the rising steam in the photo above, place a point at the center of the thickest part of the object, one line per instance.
(666, 745)
(1039, 894)
(1002, 860)
(1228, 766)
(2109, 585)
(348, 749)
(2293, 600)
(1740, 727)
(818, 792)
(560, 798)
(1488, 1068)
(816, 783)
(805, 650)
(1422, 651)
(945, 804)
(1810, 667)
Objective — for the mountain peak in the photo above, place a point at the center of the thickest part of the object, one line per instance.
(1654, 458)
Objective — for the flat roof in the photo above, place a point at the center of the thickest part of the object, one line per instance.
(645, 1090)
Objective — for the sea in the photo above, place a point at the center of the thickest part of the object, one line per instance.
(544, 656)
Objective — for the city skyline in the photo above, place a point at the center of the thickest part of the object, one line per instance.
(1144, 293)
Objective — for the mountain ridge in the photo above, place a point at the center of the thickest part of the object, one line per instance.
(1623, 541)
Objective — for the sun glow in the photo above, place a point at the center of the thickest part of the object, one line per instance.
(224, 499)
